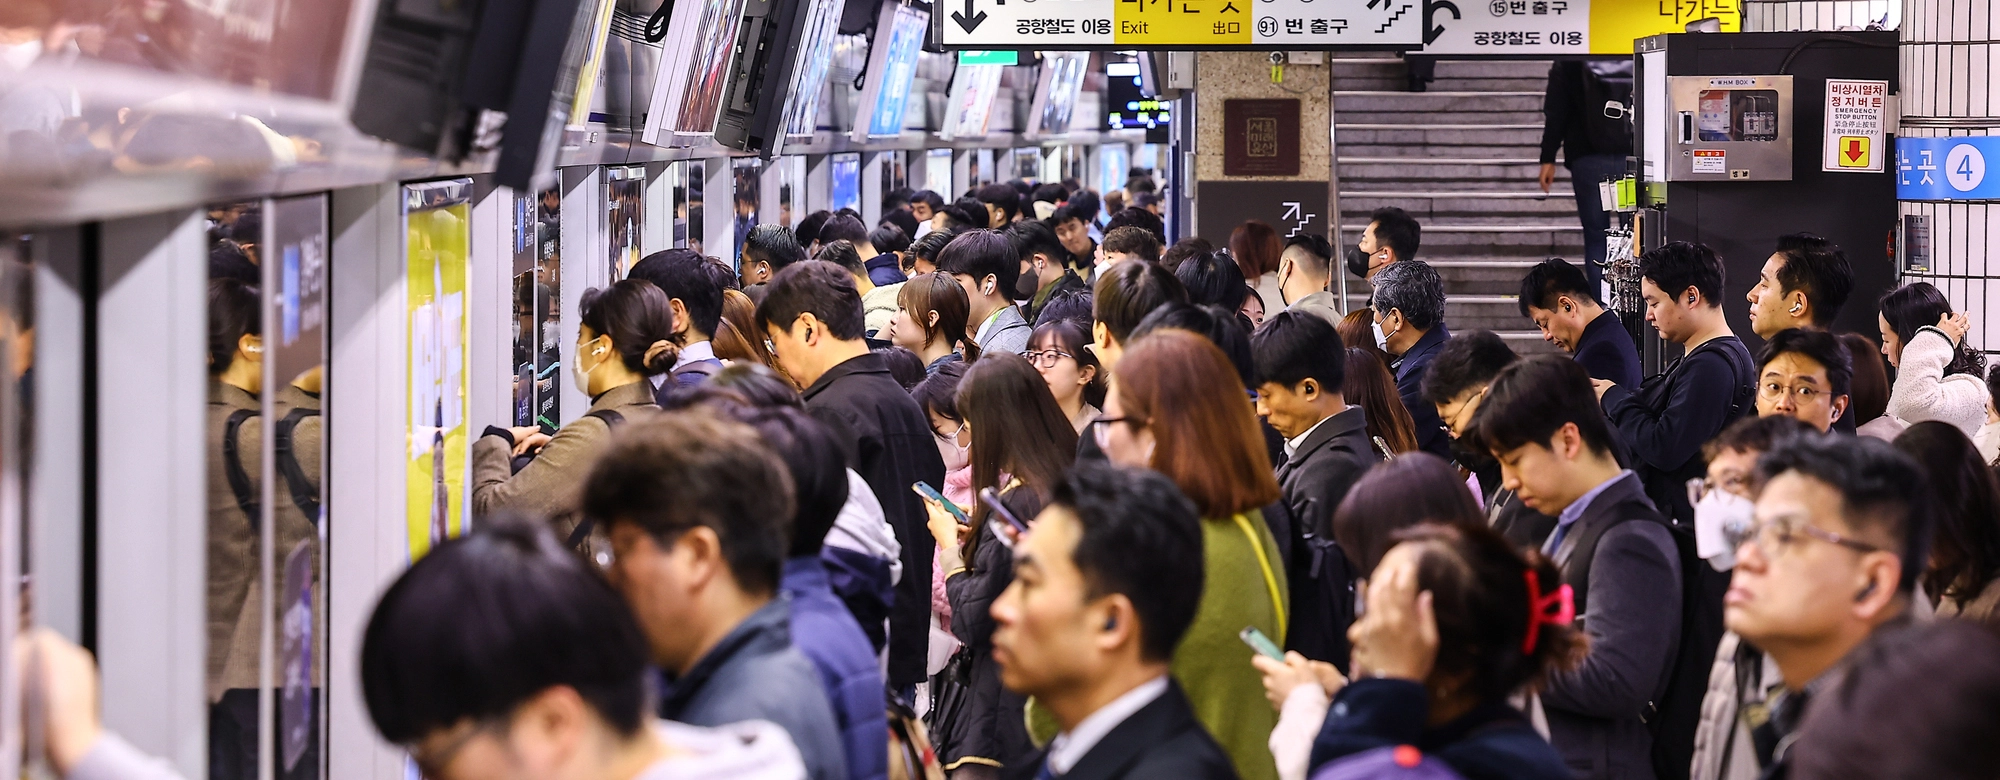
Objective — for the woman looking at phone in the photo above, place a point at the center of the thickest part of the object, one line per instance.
(1021, 445)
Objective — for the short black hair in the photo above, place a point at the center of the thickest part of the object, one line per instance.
(1072, 305)
(1132, 240)
(773, 244)
(928, 247)
(1820, 346)
(1398, 230)
(1818, 268)
(1140, 537)
(227, 260)
(695, 280)
(1065, 213)
(1133, 216)
(1412, 287)
(928, 198)
(1754, 434)
(979, 254)
(1003, 196)
(1532, 399)
(819, 471)
(808, 230)
(1084, 204)
(1316, 245)
(969, 212)
(1679, 265)
(1294, 346)
(1879, 486)
(825, 289)
(1125, 293)
(1034, 237)
(234, 311)
(889, 237)
(484, 622)
(1212, 279)
(675, 471)
(1051, 193)
(1552, 278)
(1467, 360)
(897, 198)
(842, 228)
(841, 252)
(1224, 328)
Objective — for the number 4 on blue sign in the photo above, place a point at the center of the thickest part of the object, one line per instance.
(1946, 168)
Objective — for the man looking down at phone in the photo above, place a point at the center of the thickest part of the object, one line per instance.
(1021, 444)
(1103, 591)
(812, 320)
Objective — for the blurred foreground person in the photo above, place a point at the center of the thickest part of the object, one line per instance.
(1921, 703)
(500, 655)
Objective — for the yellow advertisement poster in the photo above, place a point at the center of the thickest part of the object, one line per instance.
(437, 218)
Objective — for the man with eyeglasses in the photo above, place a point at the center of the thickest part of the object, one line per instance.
(501, 655)
(1804, 374)
(1840, 535)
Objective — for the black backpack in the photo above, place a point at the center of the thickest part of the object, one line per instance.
(304, 489)
(577, 537)
(232, 469)
(1676, 715)
(1322, 588)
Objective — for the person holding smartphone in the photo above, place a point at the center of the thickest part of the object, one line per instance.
(1021, 443)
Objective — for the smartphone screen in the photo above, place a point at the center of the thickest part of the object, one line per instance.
(924, 489)
(1260, 643)
(993, 504)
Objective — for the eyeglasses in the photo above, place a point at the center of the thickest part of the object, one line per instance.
(434, 763)
(1734, 482)
(1780, 533)
(1046, 358)
(1801, 394)
(1100, 428)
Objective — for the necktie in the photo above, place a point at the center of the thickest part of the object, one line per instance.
(1045, 773)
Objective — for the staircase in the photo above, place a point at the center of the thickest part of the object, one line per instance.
(1462, 159)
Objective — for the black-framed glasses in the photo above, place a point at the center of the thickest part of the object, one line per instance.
(1779, 533)
(1046, 358)
(1100, 428)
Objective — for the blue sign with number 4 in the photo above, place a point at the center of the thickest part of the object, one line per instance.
(1947, 168)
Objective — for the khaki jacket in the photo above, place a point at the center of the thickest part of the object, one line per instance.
(551, 486)
(232, 543)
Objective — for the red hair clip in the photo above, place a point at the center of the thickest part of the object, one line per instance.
(1556, 608)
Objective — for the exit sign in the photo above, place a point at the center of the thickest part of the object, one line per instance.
(989, 58)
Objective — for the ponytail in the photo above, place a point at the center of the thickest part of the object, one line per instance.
(640, 321)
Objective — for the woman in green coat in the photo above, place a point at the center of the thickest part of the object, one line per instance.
(1176, 406)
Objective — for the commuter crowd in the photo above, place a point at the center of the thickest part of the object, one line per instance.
(1010, 487)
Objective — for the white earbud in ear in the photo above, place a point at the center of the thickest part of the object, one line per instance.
(1795, 308)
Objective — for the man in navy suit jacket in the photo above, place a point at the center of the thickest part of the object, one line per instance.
(1560, 300)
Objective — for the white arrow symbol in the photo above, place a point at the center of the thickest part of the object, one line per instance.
(1291, 210)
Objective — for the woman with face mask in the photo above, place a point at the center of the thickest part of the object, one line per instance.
(937, 395)
(625, 338)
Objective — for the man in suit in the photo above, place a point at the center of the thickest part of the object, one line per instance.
(1455, 384)
(1409, 325)
(1616, 553)
(1302, 362)
(1104, 588)
(1564, 306)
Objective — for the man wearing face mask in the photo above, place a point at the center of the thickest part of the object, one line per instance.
(1045, 268)
(625, 336)
(1409, 325)
(1392, 235)
(1304, 270)
(1455, 383)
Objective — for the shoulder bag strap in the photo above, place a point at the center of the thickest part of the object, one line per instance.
(232, 468)
(1264, 563)
(305, 493)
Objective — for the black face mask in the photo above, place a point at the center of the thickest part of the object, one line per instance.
(1027, 285)
(1357, 262)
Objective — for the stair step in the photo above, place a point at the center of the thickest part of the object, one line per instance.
(1434, 102)
(1438, 161)
(1406, 151)
(1537, 126)
(1429, 229)
(1411, 118)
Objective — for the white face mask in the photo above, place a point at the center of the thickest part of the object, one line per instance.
(580, 374)
(955, 455)
(1714, 516)
(1382, 339)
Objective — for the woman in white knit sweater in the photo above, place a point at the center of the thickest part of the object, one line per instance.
(1937, 375)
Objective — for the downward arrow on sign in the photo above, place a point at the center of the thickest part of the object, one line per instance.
(1854, 152)
(968, 21)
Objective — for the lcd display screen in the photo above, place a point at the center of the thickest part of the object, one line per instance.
(283, 46)
(971, 103)
(1061, 83)
(693, 72)
(846, 182)
(1126, 106)
(896, 70)
(802, 100)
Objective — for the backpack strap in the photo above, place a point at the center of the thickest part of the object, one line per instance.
(232, 468)
(305, 492)
(581, 534)
(1577, 574)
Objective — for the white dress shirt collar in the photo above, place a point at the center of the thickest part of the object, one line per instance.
(1071, 746)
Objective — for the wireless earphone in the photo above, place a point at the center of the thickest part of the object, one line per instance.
(1690, 298)
(1865, 592)
(1795, 308)
(1111, 622)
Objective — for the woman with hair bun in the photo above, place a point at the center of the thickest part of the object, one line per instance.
(626, 337)
(1458, 620)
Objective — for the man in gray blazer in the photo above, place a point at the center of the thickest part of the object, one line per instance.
(1617, 555)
